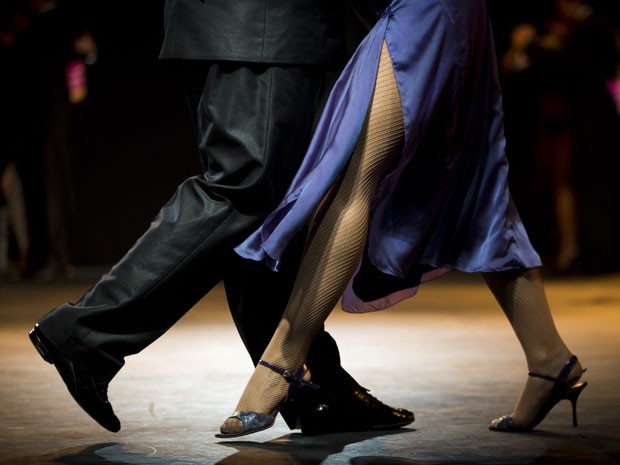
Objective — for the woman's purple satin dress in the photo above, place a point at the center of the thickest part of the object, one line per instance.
(446, 204)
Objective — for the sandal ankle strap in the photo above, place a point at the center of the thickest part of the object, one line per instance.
(563, 376)
(290, 377)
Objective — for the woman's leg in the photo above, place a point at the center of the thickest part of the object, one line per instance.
(12, 188)
(334, 249)
(522, 296)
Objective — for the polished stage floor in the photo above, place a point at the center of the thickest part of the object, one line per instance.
(448, 354)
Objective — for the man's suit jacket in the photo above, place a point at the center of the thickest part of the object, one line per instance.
(257, 31)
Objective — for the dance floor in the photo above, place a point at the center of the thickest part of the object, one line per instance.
(448, 354)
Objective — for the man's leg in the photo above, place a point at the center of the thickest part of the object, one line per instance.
(163, 275)
(342, 404)
(181, 256)
(329, 261)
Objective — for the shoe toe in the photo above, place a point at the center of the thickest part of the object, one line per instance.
(381, 416)
(503, 423)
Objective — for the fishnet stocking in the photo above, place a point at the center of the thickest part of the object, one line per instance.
(334, 249)
(522, 297)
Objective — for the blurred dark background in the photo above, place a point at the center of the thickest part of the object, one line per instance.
(133, 136)
(137, 139)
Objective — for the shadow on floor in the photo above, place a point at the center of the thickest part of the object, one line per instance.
(295, 449)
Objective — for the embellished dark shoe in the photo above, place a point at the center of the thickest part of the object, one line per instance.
(562, 389)
(90, 392)
(253, 422)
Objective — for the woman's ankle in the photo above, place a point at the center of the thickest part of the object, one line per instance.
(550, 363)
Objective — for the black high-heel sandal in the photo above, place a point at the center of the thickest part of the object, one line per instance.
(561, 390)
(254, 422)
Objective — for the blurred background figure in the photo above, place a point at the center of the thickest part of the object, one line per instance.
(13, 225)
(14, 236)
(562, 126)
(59, 47)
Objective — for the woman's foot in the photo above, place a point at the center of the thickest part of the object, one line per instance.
(541, 393)
(268, 387)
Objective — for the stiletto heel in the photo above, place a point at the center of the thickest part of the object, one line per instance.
(561, 390)
(573, 395)
(253, 421)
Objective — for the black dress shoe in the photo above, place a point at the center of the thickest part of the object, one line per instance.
(90, 392)
(352, 410)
